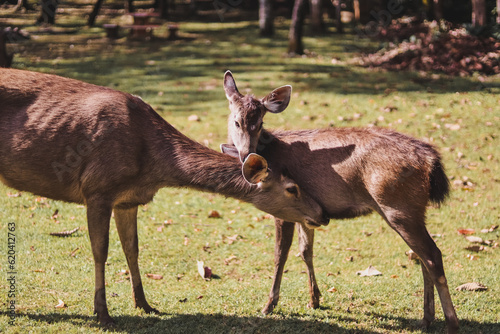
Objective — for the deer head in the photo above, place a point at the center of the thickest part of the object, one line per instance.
(247, 113)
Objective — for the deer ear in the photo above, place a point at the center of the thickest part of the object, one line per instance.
(255, 168)
(230, 87)
(278, 99)
(229, 150)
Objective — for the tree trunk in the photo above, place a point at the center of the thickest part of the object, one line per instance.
(296, 28)
(317, 24)
(479, 16)
(435, 9)
(48, 11)
(338, 16)
(266, 18)
(498, 11)
(129, 6)
(23, 4)
(95, 12)
(5, 58)
(162, 7)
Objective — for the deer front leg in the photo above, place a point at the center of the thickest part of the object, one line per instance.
(284, 238)
(306, 242)
(126, 224)
(98, 216)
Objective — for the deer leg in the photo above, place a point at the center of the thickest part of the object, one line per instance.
(415, 234)
(98, 216)
(306, 242)
(429, 310)
(284, 238)
(126, 223)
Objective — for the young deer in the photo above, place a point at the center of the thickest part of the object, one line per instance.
(350, 172)
(77, 142)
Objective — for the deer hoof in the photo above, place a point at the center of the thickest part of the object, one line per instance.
(425, 323)
(313, 304)
(147, 308)
(268, 309)
(106, 320)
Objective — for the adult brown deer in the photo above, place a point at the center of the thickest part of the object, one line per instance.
(77, 142)
(350, 172)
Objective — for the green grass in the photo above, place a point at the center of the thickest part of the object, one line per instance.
(184, 77)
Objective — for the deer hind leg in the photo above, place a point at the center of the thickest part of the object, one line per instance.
(417, 237)
(429, 306)
(284, 238)
(126, 224)
(306, 242)
(98, 217)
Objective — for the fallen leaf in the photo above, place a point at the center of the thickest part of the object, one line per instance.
(32, 248)
(475, 248)
(229, 259)
(194, 118)
(233, 238)
(186, 241)
(466, 231)
(490, 229)
(474, 239)
(64, 233)
(199, 297)
(205, 272)
(332, 289)
(55, 214)
(179, 276)
(60, 304)
(183, 300)
(38, 271)
(9, 194)
(351, 249)
(213, 214)
(154, 276)
(394, 276)
(370, 271)
(474, 286)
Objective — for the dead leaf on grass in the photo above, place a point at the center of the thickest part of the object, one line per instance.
(205, 272)
(466, 231)
(474, 286)
(60, 304)
(489, 229)
(370, 271)
(154, 276)
(475, 248)
(64, 233)
(332, 289)
(214, 214)
(474, 239)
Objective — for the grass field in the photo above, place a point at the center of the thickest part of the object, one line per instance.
(460, 115)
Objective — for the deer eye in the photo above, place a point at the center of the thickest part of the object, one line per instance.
(292, 190)
(237, 124)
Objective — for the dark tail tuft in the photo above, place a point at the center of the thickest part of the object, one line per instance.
(440, 185)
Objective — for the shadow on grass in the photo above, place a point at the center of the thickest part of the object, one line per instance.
(203, 323)
(438, 326)
(218, 323)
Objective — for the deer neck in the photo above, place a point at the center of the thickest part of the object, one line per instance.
(186, 163)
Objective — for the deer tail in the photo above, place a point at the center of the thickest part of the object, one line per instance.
(440, 185)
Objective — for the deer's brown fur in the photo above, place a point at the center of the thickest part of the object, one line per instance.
(352, 172)
(77, 142)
